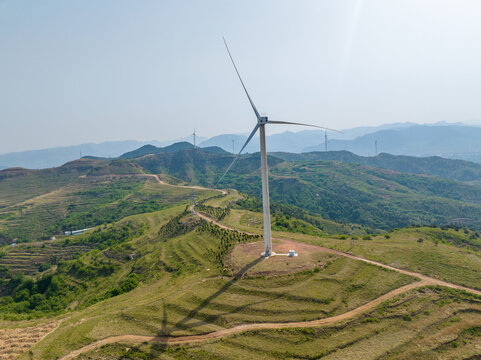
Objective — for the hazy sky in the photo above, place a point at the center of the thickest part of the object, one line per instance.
(92, 71)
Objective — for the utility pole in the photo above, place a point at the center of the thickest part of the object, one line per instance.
(375, 147)
(233, 152)
(325, 141)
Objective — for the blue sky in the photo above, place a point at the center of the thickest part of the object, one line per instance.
(92, 71)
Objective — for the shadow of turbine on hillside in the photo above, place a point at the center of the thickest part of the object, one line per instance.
(192, 314)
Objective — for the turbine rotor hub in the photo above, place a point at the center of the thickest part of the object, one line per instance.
(262, 119)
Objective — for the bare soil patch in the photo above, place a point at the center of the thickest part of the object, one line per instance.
(14, 342)
(245, 259)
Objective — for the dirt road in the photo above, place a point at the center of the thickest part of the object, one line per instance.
(183, 186)
(136, 339)
(429, 280)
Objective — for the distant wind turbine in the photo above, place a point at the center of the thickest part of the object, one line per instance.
(261, 122)
(325, 140)
(195, 136)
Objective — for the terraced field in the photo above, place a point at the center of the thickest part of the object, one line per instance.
(186, 290)
(16, 341)
(193, 295)
(27, 258)
(91, 201)
(426, 323)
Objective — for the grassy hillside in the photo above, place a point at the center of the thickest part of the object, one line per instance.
(38, 204)
(199, 167)
(434, 165)
(429, 323)
(168, 272)
(376, 198)
(183, 288)
(448, 254)
(341, 192)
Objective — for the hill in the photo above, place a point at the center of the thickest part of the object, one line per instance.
(38, 204)
(180, 146)
(433, 165)
(342, 192)
(147, 285)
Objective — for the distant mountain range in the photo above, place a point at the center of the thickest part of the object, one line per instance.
(294, 142)
(46, 158)
(455, 141)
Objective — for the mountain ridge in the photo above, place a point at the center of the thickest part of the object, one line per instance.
(301, 141)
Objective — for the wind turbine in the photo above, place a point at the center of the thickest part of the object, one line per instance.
(325, 140)
(262, 121)
(195, 136)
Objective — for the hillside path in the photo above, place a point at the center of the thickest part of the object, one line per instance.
(156, 177)
(429, 280)
(175, 340)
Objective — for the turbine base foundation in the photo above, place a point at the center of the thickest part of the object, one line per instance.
(263, 254)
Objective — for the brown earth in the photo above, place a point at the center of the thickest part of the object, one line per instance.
(308, 257)
(14, 342)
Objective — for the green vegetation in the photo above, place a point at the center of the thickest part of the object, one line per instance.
(448, 254)
(217, 213)
(433, 165)
(228, 238)
(294, 219)
(152, 267)
(180, 288)
(29, 259)
(25, 297)
(442, 325)
(90, 202)
(342, 192)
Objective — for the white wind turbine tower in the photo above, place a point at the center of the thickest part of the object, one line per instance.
(262, 121)
(195, 136)
(325, 140)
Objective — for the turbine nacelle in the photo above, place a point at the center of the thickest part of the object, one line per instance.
(262, 120)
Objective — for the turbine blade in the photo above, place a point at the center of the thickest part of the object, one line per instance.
(237, 156)
(237, 71)
(249, 138)
(294, 123)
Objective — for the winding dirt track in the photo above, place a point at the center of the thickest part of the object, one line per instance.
(173, 340)
(156, 177)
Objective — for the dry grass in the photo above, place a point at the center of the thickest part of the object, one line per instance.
(14, 342)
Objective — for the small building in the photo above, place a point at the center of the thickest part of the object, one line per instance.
(292, 253)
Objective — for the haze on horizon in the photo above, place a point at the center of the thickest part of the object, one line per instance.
(84, 71)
